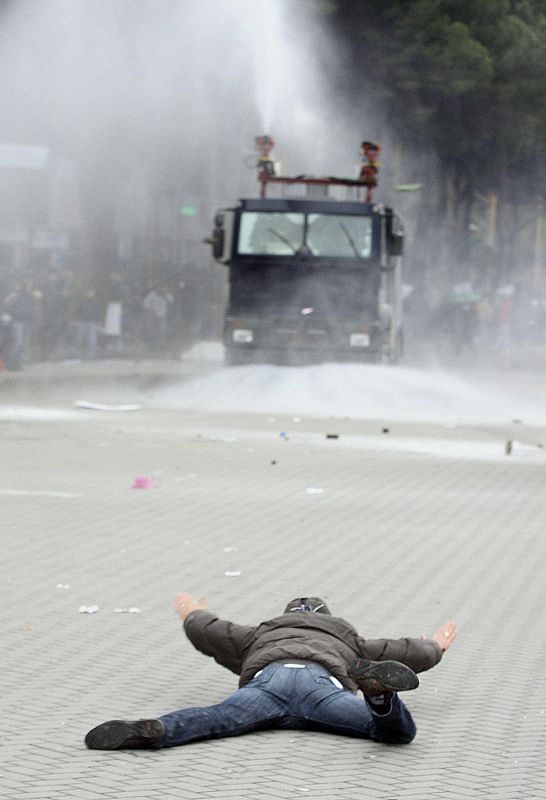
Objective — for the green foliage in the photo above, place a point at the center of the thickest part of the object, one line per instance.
(465, 77)
(464, 81)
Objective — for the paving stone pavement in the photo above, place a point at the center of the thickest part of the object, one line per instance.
(398, 542)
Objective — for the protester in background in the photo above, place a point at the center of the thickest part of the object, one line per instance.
(20, 304)
(56, 304)
(156, 307)
(505, 301)
(5, 337)
(114, 311)
(300, 670)
(87, 316)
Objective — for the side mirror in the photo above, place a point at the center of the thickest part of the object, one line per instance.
(218, 242)
(395, 234)
(395, 244)
(222, 235)
(218, 238)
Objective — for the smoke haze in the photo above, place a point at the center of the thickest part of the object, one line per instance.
(160, 86)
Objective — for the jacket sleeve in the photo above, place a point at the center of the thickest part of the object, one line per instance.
(418, 654)
(223, 640)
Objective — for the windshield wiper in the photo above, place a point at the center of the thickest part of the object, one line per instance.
(349, 238)
(282, 238)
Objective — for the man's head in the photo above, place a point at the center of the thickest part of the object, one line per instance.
(312, 604)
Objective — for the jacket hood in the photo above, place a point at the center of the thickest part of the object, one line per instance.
(314, 604)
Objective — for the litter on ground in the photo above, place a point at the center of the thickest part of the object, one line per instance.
(107, 406)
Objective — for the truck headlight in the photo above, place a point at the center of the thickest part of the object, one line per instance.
(359, 340)
(243, 335)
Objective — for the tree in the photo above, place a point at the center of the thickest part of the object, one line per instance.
(464, 80)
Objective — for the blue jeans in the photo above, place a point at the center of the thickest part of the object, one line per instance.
(302, 698)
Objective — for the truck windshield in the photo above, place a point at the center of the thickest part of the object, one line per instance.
(322, 235)
(270, 234)
(339, 236)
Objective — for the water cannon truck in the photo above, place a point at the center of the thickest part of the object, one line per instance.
(312, 278)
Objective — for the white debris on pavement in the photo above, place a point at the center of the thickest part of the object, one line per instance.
(88, 609)
(108, 406)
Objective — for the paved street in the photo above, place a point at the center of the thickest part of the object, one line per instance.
(410, 524)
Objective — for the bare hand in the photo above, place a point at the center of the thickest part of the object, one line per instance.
(444, 635)
(184, 604)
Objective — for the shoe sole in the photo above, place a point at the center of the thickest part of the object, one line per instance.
(392, 675)
(118, 733)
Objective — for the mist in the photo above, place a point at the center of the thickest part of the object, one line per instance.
(161, 89)
(147, 107)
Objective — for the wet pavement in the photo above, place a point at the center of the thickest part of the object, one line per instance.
(416, 523)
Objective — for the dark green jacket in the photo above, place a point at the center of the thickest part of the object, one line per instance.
(330, 641)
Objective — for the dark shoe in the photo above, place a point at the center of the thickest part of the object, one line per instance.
(120, 733)
(377, 677)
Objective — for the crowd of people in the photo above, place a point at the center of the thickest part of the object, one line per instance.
(57, 318)
(465, 326)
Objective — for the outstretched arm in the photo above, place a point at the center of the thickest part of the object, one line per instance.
(223, 640)
(419, 654)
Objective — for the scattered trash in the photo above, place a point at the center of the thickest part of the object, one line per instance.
(232, 573)
(63, 586)
(307, 310)
(385, 430)
(108, 406)
(332, 435)
(302, 789)
(132, 610)
(283, 435)
(229, 549)
(273, 463)
(88, 609)
(508, 447)
(314, 490)
(142, 482)
(227, 439)
(28, 627)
